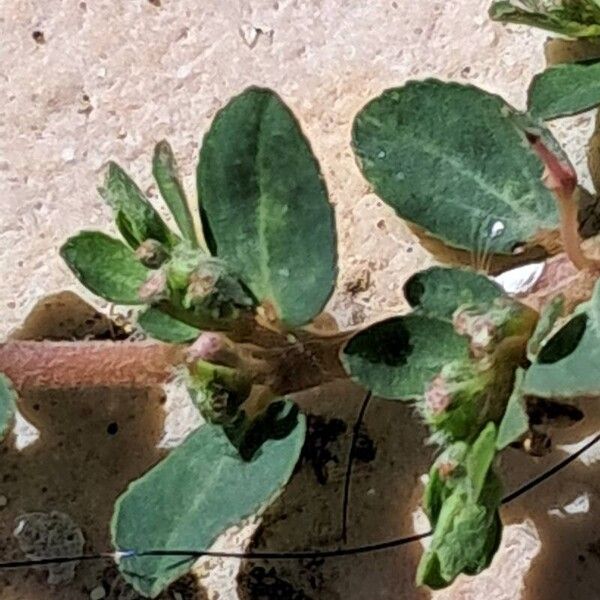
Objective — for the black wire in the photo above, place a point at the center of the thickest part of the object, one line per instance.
(532, 483)
(355, 434)
(307, 554)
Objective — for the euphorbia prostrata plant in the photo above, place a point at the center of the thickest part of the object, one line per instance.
(483, 185)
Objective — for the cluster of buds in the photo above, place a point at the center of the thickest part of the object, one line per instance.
(192, 281)
(459, 400)
(152, 254)
(487, 325)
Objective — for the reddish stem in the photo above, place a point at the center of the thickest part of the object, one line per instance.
(88, 364)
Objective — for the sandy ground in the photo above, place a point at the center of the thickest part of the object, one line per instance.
(85, 82)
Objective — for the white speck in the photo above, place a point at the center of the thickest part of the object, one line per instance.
(97, 593)
(68, 155)
(119, 554)
(3, 501)
(25, 433)
(249, 34)
(19, 528)
(102, 72)
(581, 504)
(399, 176)
(371, 492)
(521, 279)
(381, 154)
(183, 71)
(497, 228)
(284, 272)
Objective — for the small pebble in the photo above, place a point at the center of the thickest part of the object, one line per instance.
(3, 501)
(97, 593)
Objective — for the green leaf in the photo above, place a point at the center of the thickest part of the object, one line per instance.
(201, 489)
(573, 18)
(515, 421)
(396, 358)
(455, 161)
(166, 328)
(265, 208)
(564, 90)
(549, 314)
(466, 536)
(106, 266)
(567, 364)
(8, 404)
(164, 168)
(445, 475)
(439, 291)
(479, 460)
(136, 218)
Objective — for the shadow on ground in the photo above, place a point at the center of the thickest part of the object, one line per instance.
(92, 443)
(384, 491)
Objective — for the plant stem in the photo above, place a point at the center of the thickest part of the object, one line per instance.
(286, 369)
(569, 230)
(561, 179)
(31, 364)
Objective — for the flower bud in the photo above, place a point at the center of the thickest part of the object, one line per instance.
(154, 288)
(217, 391)
(459, 400)
(151, 254)
(488, 325)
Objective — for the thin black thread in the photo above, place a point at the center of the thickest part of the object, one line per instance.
(308, 554)
(532, 483)
(355, 434)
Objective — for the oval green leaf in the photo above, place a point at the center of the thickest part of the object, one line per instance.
(265, 207)
(397, 358)
(136, 218)
(567, 363)
(164, 169)
(200, 490)
(164, 327)
(439, 291)
(454, 160)
(515, 421)
(564, 90)
(106, 266)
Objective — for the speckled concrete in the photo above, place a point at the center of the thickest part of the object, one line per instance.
(107, 79)
(111, 78)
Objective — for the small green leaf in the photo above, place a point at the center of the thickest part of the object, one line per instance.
(265, 208)
(165, 172)
(455, 161)
(573, 18)
(445, 475)
(106, 266)
(564, 90)
(548, 317)
(459, 401)
(515, 421)
(166, 328)
(136, 218)
(396, 358)
(567, 364)
(8, 405)
(466, 536)
(201, 489)
(439, 291)
(479, 460)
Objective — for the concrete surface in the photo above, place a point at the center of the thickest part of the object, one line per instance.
(83, 82)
